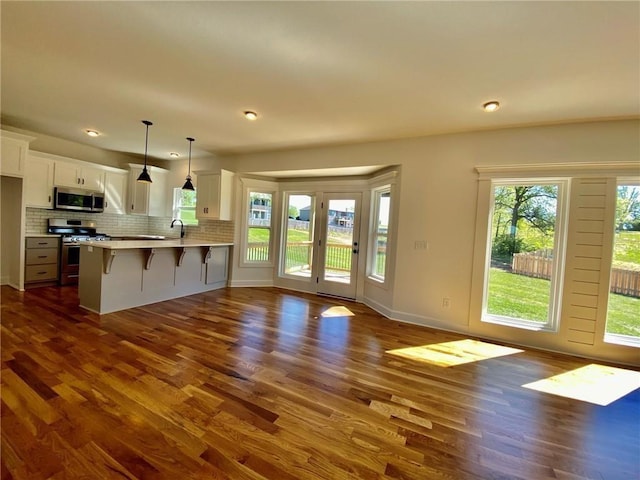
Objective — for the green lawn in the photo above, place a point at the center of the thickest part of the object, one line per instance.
(626, 252)
(506, 298)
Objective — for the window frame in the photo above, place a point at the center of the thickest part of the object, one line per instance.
(175, 210)
(286, 195)
(249, 186)
(617, 338)
(559, 254)
(250, 227)
(376, 194)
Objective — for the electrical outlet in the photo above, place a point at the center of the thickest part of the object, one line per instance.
(420, 245)
(446, 302)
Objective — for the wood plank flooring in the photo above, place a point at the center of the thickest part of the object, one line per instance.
(256, 384)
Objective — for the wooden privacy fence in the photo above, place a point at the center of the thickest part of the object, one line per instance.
(625, 282)
(539, 264)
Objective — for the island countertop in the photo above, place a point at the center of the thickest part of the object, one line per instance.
(167, 243)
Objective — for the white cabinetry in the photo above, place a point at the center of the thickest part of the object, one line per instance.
(69, 174)
(13, 156)
(148, 198)
(214, 195)
(115, 190)
(38, 181)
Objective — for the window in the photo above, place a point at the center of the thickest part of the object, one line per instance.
(298, 235)
(524, 265)
(379, 233)
(259, 227)
(184, 206)
(623, 321)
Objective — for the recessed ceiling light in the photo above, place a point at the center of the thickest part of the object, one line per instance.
(491, 106)
(174, 154)
(92, 133)
(250, 115)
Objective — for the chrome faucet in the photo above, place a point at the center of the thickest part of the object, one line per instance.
(181, 226)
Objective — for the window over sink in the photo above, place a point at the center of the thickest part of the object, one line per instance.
(184, 206)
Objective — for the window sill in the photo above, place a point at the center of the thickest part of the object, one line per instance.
(516, 323)
(626, 340)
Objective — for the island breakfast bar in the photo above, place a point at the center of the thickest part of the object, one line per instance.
(115, 275)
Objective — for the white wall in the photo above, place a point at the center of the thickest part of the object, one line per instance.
(438, 197)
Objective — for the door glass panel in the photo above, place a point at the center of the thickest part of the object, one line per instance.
(339, 240)
(298, 249)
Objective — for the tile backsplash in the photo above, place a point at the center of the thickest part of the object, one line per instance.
(111, 224)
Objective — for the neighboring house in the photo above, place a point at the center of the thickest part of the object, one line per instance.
(304, 214)
(340, 218)
(260, 209)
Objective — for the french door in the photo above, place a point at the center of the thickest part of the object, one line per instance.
(338, 244)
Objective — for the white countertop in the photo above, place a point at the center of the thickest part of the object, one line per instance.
(170, 243)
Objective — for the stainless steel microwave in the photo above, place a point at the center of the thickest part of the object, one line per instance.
(78, 200)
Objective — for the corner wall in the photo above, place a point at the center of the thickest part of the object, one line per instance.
(438, 198)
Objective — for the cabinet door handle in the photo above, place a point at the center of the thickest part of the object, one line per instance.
(49, 198)
(42, 273)
(42, 243)
(42, 256)
(83, 181)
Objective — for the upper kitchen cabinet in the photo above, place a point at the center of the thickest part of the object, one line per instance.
(78, 175)
(13, 156)
(214, 195)
(38, 180)
(148, 198)
(115, 191)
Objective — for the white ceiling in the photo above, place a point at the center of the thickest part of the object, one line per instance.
(318, 73)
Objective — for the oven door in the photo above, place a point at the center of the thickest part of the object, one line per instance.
(70, 264)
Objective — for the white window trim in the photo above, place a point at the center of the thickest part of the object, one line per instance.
(559, 250)
(617, 338)
(373, 234)
(260, 186)
(175, 209)
(283, 237)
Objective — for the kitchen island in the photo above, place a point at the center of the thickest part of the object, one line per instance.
(115, 275)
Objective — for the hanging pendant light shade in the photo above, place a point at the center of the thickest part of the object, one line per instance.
(188, 185)
(144, 176)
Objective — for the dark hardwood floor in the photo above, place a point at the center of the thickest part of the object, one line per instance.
(254, 383)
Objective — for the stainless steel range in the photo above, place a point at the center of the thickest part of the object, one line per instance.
(73, 232)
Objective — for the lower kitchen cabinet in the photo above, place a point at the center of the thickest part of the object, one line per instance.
(41, 261)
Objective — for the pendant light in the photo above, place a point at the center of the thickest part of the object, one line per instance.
(144, 175)
(188, 185)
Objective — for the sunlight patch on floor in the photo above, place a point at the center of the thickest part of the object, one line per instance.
(593, 383)
(337, 311)
(458, 352)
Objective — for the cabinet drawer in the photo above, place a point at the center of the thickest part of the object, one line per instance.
(37, 273)
(43, 242)
(37, 256)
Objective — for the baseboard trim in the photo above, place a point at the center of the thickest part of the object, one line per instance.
(251, 283)
(414, 319)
